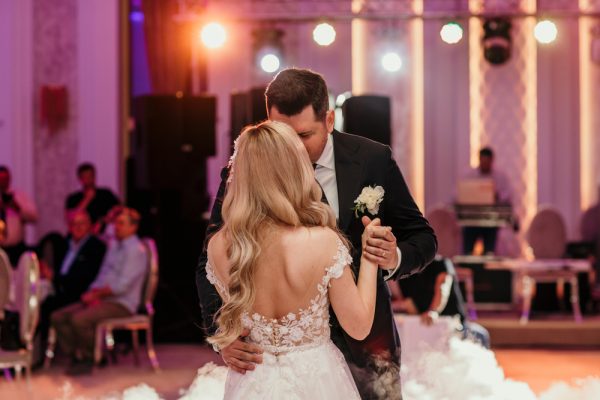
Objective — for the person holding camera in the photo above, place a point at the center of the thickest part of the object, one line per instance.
(16, 210)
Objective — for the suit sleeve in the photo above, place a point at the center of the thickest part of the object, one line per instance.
(415, 237)
(83, 273)
(210, 301)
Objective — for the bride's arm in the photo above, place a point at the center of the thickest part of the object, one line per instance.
(354, 303)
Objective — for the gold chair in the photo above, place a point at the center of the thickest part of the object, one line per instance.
(27, 294)
(135, 323)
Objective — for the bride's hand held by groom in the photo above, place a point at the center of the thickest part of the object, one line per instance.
(380, 246)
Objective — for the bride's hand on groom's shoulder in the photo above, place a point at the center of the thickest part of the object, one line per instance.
(241, 356)
(379, 243)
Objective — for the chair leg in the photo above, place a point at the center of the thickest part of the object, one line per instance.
(135, 341)
(99, 338)
(150, 347)
(28, 372)
(528, 286)
(109, 340)
(575, 299)
(50, 347)
(18, 372)
(470, 299)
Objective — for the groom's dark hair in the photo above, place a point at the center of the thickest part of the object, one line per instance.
(293, 89)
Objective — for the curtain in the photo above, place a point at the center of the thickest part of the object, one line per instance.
(168, 47)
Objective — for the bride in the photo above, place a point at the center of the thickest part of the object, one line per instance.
(278, 263)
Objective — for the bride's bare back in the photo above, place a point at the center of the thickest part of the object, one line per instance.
(290, 268)
(291, 265)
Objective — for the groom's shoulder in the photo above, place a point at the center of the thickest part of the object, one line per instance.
(361, 144)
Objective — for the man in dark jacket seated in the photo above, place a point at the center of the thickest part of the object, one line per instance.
(435, 292)
(78, 261)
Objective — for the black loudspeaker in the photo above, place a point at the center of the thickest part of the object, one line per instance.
(247, 108)
(173, 137)
(368, 116)
(166, 182)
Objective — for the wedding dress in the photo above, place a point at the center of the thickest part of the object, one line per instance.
(299, 361)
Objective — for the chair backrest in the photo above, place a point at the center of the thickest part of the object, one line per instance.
(547, 234)
(27, 295)
(444, 223)
(5, 281)
(152, 278)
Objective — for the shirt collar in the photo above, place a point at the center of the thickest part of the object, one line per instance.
(327, 160)
(81, 242)
(127, 241)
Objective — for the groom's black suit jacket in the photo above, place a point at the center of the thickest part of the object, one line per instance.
(359, 162)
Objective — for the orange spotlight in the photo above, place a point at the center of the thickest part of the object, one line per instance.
(213, 35)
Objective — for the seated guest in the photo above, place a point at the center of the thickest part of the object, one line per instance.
(109, 223)
(16, 210)
(96, 201)
(4, 256)
(435, 292)
(75, 268)
(2, 233)
(116, 292)
(502, 197)
(590, 232)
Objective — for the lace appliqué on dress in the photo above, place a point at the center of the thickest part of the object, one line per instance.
(212, 278)
(306, 328)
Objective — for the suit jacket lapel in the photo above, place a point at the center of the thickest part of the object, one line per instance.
(348, 172)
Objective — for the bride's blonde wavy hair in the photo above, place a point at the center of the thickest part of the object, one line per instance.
(273, 184)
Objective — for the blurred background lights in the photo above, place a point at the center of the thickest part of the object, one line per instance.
(324, 34)
(213, 35)
(391, 62)
(269, 62)
(451, 33)
(545, 31)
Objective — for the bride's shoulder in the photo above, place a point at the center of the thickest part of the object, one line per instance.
(321, 233)
(323, 241)
(217, 245)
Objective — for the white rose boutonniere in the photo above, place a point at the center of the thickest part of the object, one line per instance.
(369, 199)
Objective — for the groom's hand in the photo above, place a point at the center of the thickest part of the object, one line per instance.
(241, 356)
(381, 245)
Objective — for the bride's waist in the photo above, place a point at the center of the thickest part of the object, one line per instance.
(278, 350)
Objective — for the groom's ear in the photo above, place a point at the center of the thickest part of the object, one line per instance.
(330, 120)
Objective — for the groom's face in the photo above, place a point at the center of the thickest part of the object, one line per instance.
(312, 131)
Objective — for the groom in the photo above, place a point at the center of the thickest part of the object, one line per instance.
(344, 165)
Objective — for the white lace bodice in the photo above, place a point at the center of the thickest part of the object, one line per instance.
(306, 327)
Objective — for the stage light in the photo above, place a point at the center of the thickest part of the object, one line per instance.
(391, 62)
(451, 33)
(270, 62)
(213, 35)
(545, 31)
(497, 42)
(324, 34)
(267, 49)
(136, 16)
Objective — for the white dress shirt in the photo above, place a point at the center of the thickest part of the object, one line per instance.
(325, 175)
(124, 269)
